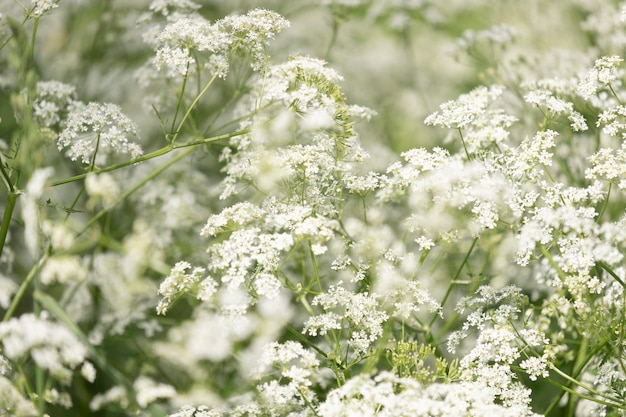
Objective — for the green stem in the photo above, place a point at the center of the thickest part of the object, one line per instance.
(25, 284)
(159, 152)
(600, 397)
(578, 366)
(577, 370)
(6, 218)
(552, 262)
(6, 178)
(615, 94)
(179, 105)
(306, 341)
(315, 268)
(307, 402)
(454, 280)
(33, 38)
(52, 306)
(611, 273)
(605, 205)
(191, 107)
(469, 158)
(137, 186)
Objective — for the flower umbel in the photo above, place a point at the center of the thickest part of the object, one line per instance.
(97, 130)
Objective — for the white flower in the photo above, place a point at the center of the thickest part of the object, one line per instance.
(237, 215)
(96, 129)
(41, 7)
(359, 313)
(165, 7)
(285, 355)
(149, 391)
(252, 31)
(612, 121)
(386, 395)
(601, 75)
(190, 42)
(30, 210)
(88, 371)
(12, 400)
(184, 278)
(535, 367)
(63, 270)
(102, 188)
(51, 345)
(52, 101)
(553, 105)
(466, 109)
(267, 285)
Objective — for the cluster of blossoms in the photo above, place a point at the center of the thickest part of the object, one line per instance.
(98, 127)
(357, 313)
(189, 45)
(306, 278)
(388, 395)
(89, 131)
(53, 348)
(495, 182)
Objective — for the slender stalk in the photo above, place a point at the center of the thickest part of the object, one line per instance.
(6, 218)
(454, 280)
(159, 152)
(469, 158)
(611, 273)
(179, 105)
(315, 267)
(25, 284)
(597, 397)
(191, 107)
(137, 186)
(606, 203)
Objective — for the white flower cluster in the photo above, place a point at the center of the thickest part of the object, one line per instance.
(358, 314)
(298, 107)
(95, 130)
(609, 164)
(51, 345)
(439, 186)
(568, 222)
(52, 101)
(494, 313)
(298, 370)
(146, 389)
(482, 128)
(251, 254)
(12, 401)
(183, 278)
(41, 7)
(388, 395)
(409, 300)
(189, 43)
(464, 111)
(602, 75)
(528, 160)
(552, 105)
(252, 32)
(496, 35)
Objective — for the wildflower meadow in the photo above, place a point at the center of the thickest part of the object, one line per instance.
(312, 208)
